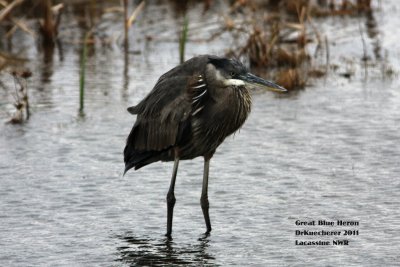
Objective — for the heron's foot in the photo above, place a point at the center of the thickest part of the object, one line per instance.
(204, 236)
(168, 236)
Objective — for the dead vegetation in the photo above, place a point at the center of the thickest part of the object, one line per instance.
(50, 21)
(21, 99)
(278, 41)
(277, 33)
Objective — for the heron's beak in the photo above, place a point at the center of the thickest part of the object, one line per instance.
(254, 80)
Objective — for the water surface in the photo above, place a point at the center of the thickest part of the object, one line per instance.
(327, 152)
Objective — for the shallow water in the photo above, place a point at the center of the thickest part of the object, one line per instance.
(328, 152)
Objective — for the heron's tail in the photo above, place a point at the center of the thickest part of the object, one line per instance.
(137, 159)
(138, 155)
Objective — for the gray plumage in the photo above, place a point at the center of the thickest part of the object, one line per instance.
(190, 111)
(186, 110)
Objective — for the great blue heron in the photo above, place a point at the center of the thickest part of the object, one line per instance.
(189, 112)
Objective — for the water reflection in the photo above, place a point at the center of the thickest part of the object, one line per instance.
(373, 33)
(138, 251)
(126, 69)
(48, 61)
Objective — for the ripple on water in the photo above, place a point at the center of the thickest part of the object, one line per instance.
(328, 152)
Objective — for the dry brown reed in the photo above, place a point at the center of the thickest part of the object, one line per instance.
(50, 21)
(279, 43)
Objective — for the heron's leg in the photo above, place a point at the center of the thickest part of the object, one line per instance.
(204, 195)
(171, 198)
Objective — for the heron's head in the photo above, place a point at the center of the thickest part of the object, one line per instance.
(231, 72)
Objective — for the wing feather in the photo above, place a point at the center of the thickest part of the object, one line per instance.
(160, 115)
(164, 116)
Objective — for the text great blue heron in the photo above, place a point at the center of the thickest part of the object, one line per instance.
(189, 112)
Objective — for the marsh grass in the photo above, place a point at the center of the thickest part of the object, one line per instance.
(273, 37)
(83, 74)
